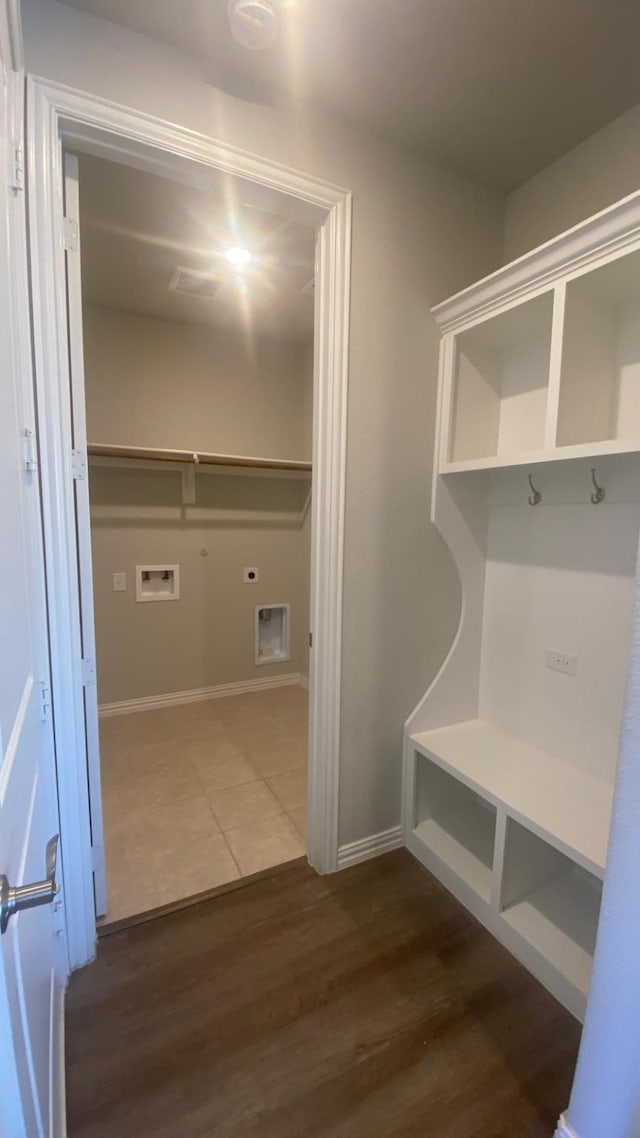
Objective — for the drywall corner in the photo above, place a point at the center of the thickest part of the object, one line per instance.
(596, 173)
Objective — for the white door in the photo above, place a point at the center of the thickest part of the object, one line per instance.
(33, 962)
(83, 522)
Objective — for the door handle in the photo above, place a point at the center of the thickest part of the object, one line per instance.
(14, 899)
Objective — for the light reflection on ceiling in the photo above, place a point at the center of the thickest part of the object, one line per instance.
(137, 228)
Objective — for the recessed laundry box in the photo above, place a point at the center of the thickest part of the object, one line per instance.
(157, 582)
(272, 633)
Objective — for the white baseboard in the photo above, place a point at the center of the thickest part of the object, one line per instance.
(372, 846)
(197, 695)
(564, 1130)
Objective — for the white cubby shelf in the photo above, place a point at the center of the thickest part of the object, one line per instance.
(499, 392)
(521, 838)
(510, 763)
(564, 805)
(457, 826)
(551, 904)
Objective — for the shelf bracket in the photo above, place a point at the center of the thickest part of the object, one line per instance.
(598, 491)
(535, 497)
(189, 483)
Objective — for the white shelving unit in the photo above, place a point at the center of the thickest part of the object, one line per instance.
(192, 463)
(527, 785)
(510, 764)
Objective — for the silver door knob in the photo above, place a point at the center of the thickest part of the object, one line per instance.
(12, 900)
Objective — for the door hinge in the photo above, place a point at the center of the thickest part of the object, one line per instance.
(311, 640)
(16, 179)
(45, 701)
(59, 920)
(70, 235)
(88, 672)
(78, 464)
(29, 448)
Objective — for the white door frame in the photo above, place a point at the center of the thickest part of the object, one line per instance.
(56, 113)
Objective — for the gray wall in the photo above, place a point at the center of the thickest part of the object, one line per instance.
(205, 638)
(603, 169)
(160, 383)
(419, 234)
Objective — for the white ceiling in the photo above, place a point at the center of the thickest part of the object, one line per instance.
(494, 88)
(136, 228)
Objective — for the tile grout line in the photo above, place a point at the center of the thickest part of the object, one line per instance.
(240, 786)
(231, 854)
(226, 736)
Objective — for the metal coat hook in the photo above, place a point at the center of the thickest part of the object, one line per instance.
(535, 497)
(598, 491)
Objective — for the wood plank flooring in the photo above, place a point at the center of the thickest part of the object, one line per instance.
(368, 1003)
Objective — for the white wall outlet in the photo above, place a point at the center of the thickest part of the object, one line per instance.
(119, 582)
(250, 576)
(561, 662)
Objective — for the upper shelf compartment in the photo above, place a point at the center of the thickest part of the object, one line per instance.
(600, 374)
(541, 359)
(500, 384)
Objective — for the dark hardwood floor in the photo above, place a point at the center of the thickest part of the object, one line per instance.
(368, 1004)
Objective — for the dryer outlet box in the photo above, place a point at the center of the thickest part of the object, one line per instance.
(272, 644)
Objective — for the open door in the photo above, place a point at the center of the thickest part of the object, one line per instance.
(83, 521)
(33, 959)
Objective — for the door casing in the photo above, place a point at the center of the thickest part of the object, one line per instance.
(59, 116)
(33, 958)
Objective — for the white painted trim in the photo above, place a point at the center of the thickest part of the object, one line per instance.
(612, 231)
(373, 846)
(564, 1130)
(198, 695)
(303, 681)
(56, 112)
(329, 458)
(14, 25)
(46, 211)
(73, 259)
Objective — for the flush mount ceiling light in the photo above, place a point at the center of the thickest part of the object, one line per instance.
(254, 23)
(238, 256)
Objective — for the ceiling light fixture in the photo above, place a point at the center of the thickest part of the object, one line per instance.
(254, 23)
(238, 256)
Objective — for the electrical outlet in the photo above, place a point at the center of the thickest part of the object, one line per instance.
(250, 576)
(119, 582)
(561, 662)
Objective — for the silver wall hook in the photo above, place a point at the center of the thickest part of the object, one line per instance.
(535, 497)
(598, 491)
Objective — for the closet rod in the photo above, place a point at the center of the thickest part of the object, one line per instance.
(198, 458)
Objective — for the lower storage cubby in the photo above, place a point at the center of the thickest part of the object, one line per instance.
(553, 904)
(455, 825)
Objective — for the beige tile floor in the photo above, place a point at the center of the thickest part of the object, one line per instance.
(201, 794)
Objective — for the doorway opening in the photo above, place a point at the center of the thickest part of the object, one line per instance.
(62, 118)
(194, 355)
